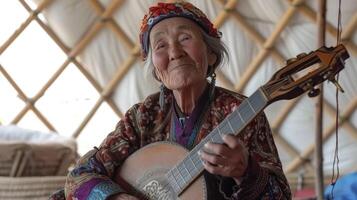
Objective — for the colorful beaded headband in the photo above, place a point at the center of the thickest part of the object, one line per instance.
(166, 10)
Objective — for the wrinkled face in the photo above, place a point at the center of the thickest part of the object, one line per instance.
(179, 54)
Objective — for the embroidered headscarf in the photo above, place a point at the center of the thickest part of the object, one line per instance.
(177, 9)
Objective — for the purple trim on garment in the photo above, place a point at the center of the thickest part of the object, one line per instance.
(85, 189)
(181, 138)
(183, 133)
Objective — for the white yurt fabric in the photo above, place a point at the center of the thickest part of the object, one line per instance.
(72, 19)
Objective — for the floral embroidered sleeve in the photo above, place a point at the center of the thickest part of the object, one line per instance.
(91, 177)
(264, 178)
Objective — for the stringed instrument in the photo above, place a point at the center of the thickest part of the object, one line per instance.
(167, 171)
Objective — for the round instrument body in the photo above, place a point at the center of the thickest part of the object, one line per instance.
(146, 168)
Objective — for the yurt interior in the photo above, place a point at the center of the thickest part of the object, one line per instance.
(71, 69)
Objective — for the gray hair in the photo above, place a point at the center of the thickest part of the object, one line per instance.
(216, 45)
(219, 49)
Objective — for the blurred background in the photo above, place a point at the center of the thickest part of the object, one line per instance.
(70, 69)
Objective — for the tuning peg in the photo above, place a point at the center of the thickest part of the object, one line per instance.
(313, 92)
(337, 85)
(301, 55)
(291, 60)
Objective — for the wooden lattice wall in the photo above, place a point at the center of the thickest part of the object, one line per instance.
(267, 50)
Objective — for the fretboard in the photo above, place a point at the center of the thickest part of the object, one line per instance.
(182, 175)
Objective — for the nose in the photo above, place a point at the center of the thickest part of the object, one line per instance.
(176, 51)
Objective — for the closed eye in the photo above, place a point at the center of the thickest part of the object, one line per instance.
(160, 45)
(184, 37)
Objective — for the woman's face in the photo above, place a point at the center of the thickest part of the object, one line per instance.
(179, 54)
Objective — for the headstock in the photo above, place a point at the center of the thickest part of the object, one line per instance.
(284, 85)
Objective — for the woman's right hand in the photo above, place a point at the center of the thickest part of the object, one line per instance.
(122, 196)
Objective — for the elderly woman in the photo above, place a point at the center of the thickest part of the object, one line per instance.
(184, 50)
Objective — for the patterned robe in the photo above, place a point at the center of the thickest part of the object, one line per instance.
(146, 122)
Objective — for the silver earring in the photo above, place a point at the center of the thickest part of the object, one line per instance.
(213, 79)
(212, 85)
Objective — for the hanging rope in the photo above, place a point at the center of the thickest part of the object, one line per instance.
(339, 25)
(336, 160)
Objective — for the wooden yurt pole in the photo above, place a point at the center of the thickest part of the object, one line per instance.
(311, 15)
(321, 30)
(218, 22)
(349, 29)
(27, 100)
(267, 46)
(304, 156)
(24, 25)
(256, 36)
(80, 67)
(118, 76)
(348, 126)
(111, 24)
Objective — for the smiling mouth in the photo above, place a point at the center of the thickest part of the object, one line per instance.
(182, 65)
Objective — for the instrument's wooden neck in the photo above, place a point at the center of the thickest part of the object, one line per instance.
(191, 166)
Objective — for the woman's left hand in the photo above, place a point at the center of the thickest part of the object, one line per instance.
(229, 159)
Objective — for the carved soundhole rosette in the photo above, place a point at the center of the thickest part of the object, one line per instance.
(155, 186)
(154, 190)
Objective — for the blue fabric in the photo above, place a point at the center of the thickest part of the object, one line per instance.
(345, 188)
(103, 190)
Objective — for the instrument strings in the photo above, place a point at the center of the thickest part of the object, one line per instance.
(336, 160)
